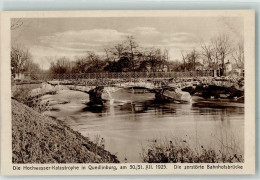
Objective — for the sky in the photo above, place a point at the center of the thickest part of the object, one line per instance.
(71, 37)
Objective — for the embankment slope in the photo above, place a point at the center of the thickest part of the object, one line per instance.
(40, 139)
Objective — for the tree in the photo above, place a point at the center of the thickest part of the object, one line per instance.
(238, 55)
(32, 68)
(208, 53)
(108, 57)
(223, 48)
(166, 55)
(119, 50)
(94, 62)
(19, 57)
(211, 55)
(184, 58)
(176, 65)
(153, 57)
(132, 50)
(61, 66)
(192, 58)
(164, 60)
(80, 65)
(22, 62)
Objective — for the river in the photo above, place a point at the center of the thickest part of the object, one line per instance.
(131, 121)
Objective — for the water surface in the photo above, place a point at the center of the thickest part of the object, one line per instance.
(131, 120)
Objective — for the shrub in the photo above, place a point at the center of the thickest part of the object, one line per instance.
(173, 151)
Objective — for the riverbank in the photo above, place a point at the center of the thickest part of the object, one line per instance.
(40, 139)
(180, 151)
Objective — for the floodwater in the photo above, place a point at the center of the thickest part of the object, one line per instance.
(131, 120)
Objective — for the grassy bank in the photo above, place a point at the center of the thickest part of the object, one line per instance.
(40, 139)
(179, 151)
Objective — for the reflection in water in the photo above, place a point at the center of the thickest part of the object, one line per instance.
(126, 127)
(147, 106)
(95, 109)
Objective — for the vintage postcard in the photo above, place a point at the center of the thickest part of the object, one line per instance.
(128, 92)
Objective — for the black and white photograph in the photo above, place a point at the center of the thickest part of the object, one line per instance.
(137, 89)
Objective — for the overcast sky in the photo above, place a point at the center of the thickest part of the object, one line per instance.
(74, 36)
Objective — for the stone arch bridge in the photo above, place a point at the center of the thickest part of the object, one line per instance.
(112, 78)
(110, 82)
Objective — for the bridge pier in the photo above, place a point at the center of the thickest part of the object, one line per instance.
(95, 96)
(159, 95)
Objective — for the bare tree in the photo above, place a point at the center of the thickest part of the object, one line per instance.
(107, 56)
(119, 50)
(238, 55)
(211, 56)
(19, 57)
(50, 59)
(193, 57)
(22, 62)
(94, 62)
(154, 58)
(208, 53)
(164, 59)
(166, 55)
(80, 65)
(32, 68)
(132, 47)
(93, 58)
(223, 48)
(184, 58)
(175, 65)
(61, 65)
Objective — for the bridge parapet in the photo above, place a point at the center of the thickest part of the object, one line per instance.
(120, 75)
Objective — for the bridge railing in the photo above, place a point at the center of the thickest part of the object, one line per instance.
(119, 75)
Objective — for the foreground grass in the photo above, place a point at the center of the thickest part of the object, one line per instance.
(173, 151)
(40, 139)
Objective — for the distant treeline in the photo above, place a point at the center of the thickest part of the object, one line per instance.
(129, 56)
(125, 56)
